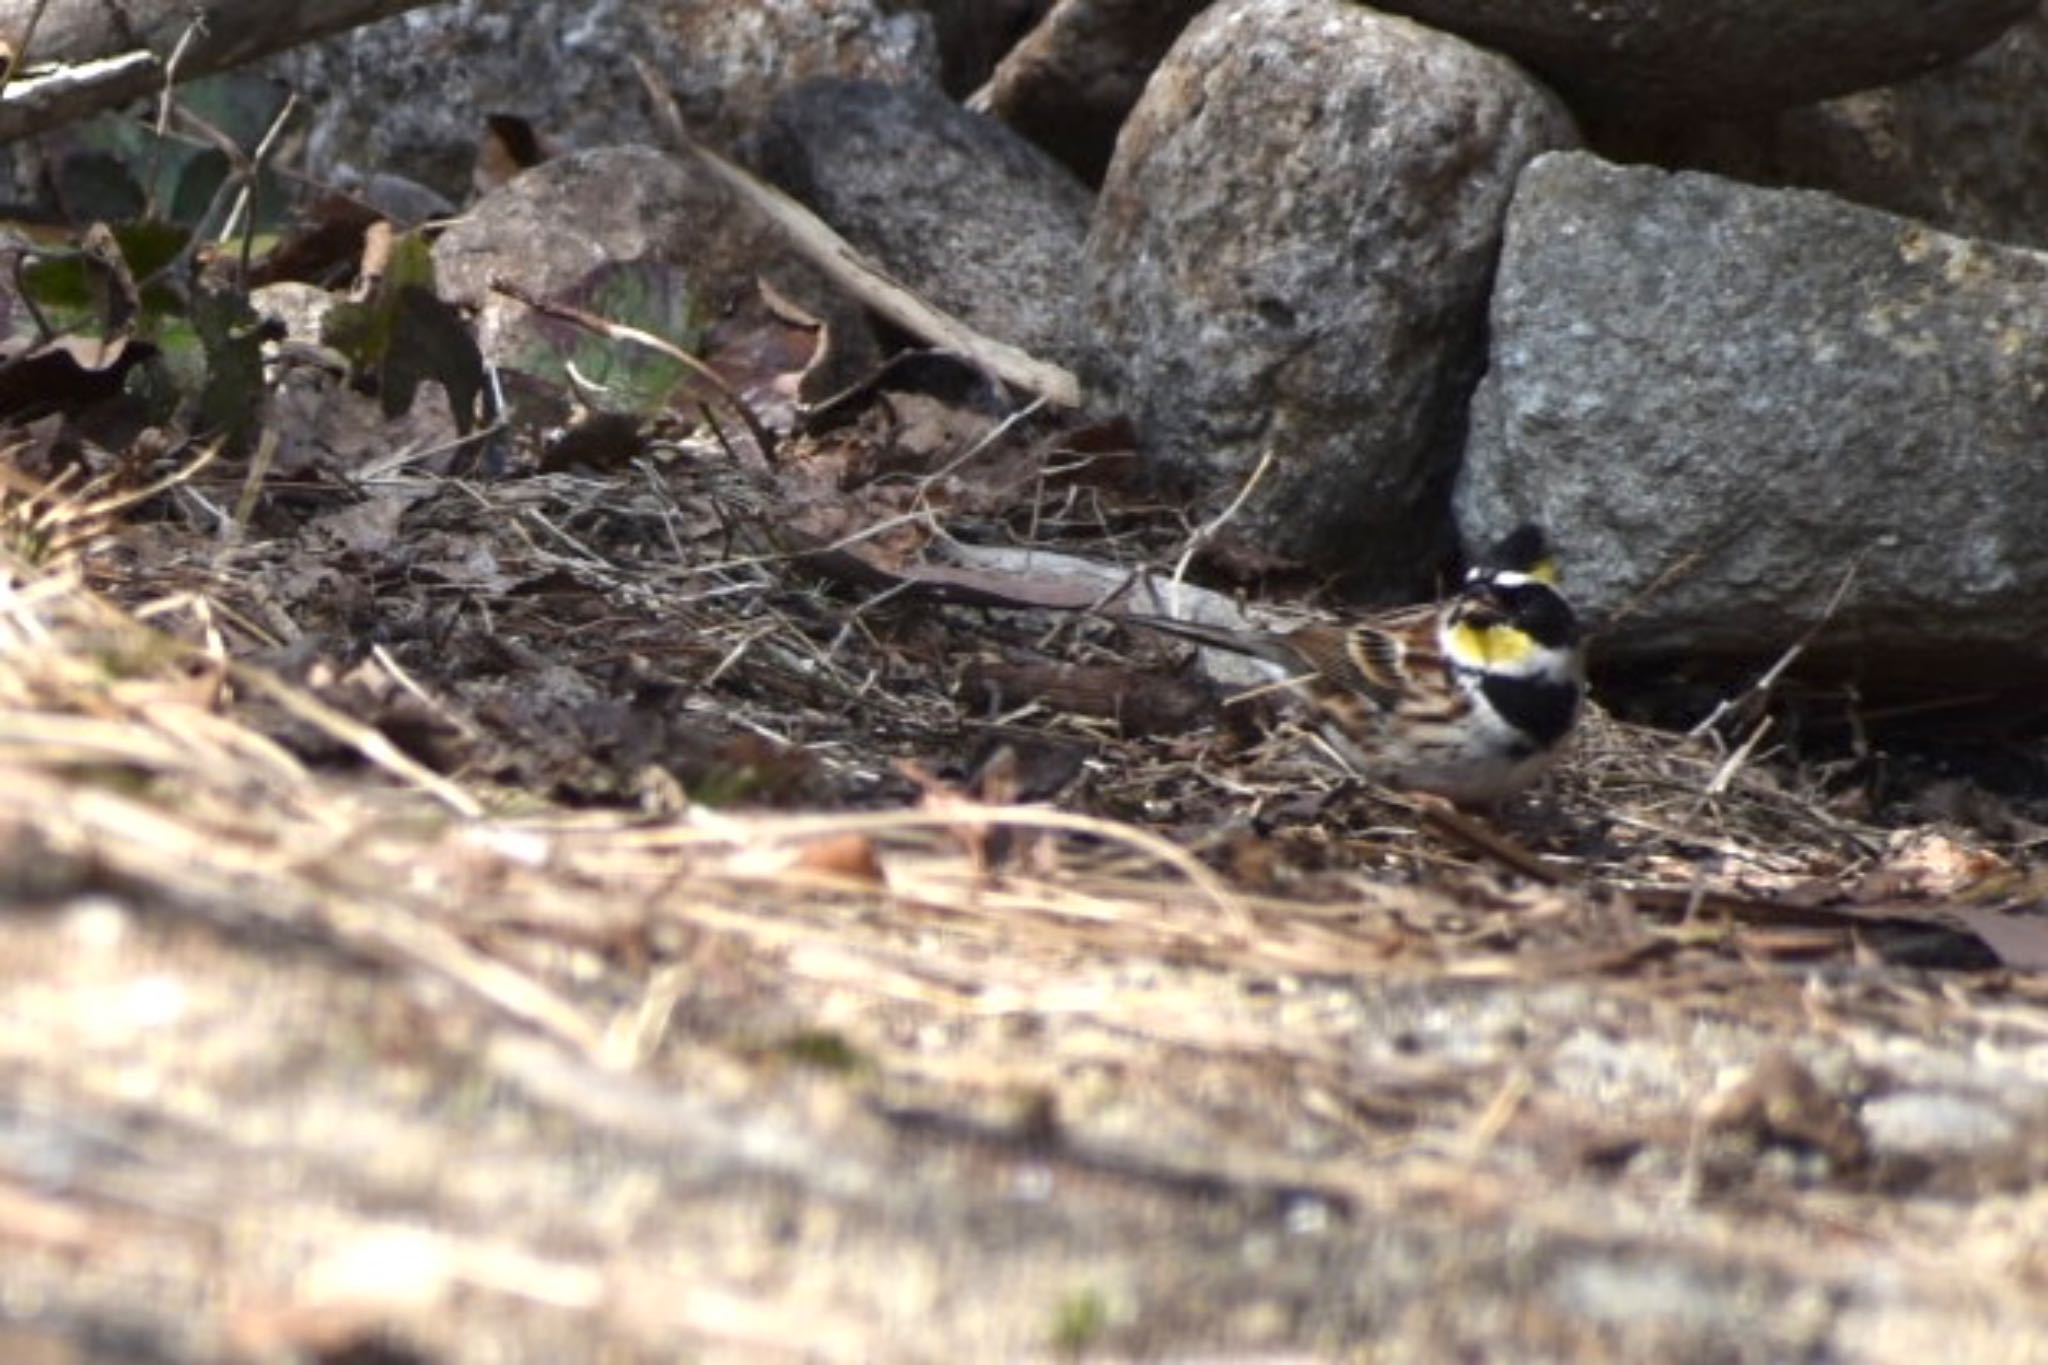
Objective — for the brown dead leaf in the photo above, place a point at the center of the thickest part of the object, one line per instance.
(323, 244)
(929, 432)
(509, 145)
(67, 374)
(1781, 1102)
(368, 529)
(1931, 863)
(966, 826)
(849, 857)
(596, 441)
(767, 350)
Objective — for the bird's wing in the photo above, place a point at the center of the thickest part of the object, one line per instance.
(1370, 661)
(1390, 659)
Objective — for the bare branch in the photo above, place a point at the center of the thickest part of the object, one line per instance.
(92, 55)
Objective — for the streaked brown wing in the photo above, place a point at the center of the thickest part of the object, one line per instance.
(1433, 697)
(1430, 694)
(1374, 661)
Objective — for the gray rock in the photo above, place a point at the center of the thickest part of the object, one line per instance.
(1735, 394)
(1071, 82)
(728, 63)
(1962, 147)
(1722, 55)
(554, 224)
(409, 95)
(953, 204)
(1664, 1300)
(300, 308)
(1291, 254)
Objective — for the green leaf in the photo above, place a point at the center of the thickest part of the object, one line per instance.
(123, 168)
(97, 187)
(194, 188)
(404, 334)
(71, 291)
(432, 340)
(230, 334)
(181, 357)
(627, 377)
(362, 330)
(150, 246)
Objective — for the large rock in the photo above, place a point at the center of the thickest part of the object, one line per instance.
(1964, 147)
(1722, 55)
(1720, 399)
(552, 226)
(954, 204)
(1291, 255)
(729, 62)
(409, 95)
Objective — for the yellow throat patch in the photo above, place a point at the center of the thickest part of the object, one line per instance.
(1499, 645)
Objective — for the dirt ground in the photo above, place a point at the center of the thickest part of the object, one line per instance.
(644, 911)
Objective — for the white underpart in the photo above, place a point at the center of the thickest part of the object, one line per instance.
(1485, 766)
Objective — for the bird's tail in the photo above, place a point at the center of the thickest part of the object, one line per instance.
(1252, 643)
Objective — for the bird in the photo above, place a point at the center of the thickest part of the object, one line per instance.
(1470, 700)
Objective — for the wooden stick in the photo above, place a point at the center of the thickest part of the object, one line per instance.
(858, 276)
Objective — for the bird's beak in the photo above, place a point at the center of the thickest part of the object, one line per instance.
(1482, 605)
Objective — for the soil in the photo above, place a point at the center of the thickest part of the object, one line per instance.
(662, 887)
(572, 916)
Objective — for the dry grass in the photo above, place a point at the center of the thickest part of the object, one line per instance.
(874, 1008)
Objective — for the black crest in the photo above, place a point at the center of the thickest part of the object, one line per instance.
(1525, 549)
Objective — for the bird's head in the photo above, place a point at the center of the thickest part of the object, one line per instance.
(1509, 617)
